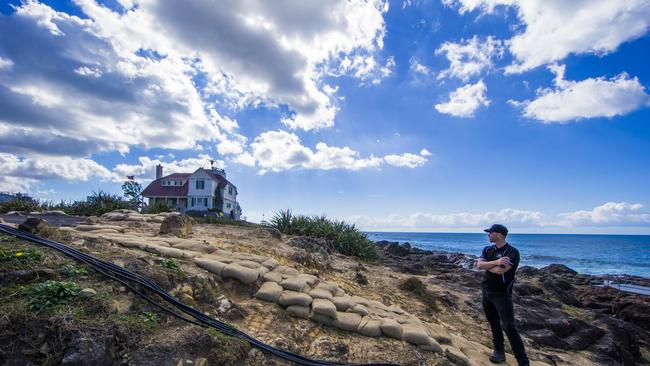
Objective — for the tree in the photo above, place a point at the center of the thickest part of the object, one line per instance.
(132, 190)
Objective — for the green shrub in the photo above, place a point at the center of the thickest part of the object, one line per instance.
(150, 317)
(158, 207)
(49, 294)
(22, 205)
(347, 239)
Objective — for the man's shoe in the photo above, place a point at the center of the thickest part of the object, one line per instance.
(498, 357)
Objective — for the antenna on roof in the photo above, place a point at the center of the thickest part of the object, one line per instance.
(211, 164)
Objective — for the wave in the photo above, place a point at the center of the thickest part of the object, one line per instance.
(583, 261)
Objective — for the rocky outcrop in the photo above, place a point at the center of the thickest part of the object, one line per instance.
(405, 258)
(177, 225)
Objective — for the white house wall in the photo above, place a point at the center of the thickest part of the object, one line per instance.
(209, 186)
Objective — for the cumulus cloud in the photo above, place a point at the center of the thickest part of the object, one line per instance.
(469, 57)
(608, 214)
(464, 101)
(145, 170)
(275, 53)
(281, 150)
(589, 98)
(20, 173)
(417, 68)
(555, 29)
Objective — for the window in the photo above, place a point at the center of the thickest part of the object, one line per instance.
(193, 201)
(177, 183)
(228, 205)
(205, 202)
(230, 190)
(200, 184)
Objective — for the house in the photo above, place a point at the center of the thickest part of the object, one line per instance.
(203, 190)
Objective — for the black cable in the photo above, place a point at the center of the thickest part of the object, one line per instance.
(131, 280)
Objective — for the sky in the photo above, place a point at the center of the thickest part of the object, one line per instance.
(441, 115)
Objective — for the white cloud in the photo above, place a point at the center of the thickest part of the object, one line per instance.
(464, 101)
(5, 63)
(269, 52)
(20, 173)
(417, 68)
(407, 160)
(235, 145)
(425, 152)
(611, 214)
(281, 150)
(589, 98)
(608, 214)
(461, 219)
(555, 29)
(469, 57)
(146, 169)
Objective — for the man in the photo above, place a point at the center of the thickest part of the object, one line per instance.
(500, 262)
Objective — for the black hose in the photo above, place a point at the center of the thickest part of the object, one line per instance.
(131, 280)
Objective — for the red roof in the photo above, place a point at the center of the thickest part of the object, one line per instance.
(156, 189)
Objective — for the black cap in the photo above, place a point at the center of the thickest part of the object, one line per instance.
(497, 228)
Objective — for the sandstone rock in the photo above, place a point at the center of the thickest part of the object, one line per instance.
(396, 309)
(242, 274)
(391, 328)
(332, 287)
(298, 311)
(370, 327)
(96, 227)
(294, 298)
(33, 225)
(113, 216)
(323, 319)
(325, 307)
(92, 220)
(438, 333)
(177, 225)
(164, 251)
(432, 346)
(248, 264)
(347, 321)
(311, 280)
(269, 291)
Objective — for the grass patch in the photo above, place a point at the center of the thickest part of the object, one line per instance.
(417, 288)
(171, 263)
(71, 270)
(347, 239)
(45, 296)
(17, 258)
(219, 220)
(8, 239)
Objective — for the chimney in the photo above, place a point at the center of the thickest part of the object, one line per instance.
(158, 171)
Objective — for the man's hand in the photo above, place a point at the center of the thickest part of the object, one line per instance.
(503, 261)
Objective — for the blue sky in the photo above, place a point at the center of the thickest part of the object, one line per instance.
(404, 116)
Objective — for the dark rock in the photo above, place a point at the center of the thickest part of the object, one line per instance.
(33, 225)
(26, 275)
(584, 336)
(398, 250)
(527, 271)
(547, 338)
(89, 352)
(526, 289)
(361, 278)
(558, 269)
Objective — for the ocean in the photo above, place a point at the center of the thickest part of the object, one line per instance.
(590, 254)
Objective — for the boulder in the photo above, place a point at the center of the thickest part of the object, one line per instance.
(289, 298)
(269, 291)
(177, 225)
(240, 273)
(456, 357)
(270, 263)
(325, 307)
(33, 225)
(92, 220)
(87, 292)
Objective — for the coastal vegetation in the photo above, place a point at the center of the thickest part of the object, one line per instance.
(347, 239)
(98, 203)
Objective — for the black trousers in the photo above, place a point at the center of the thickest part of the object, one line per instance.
(500, 313)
